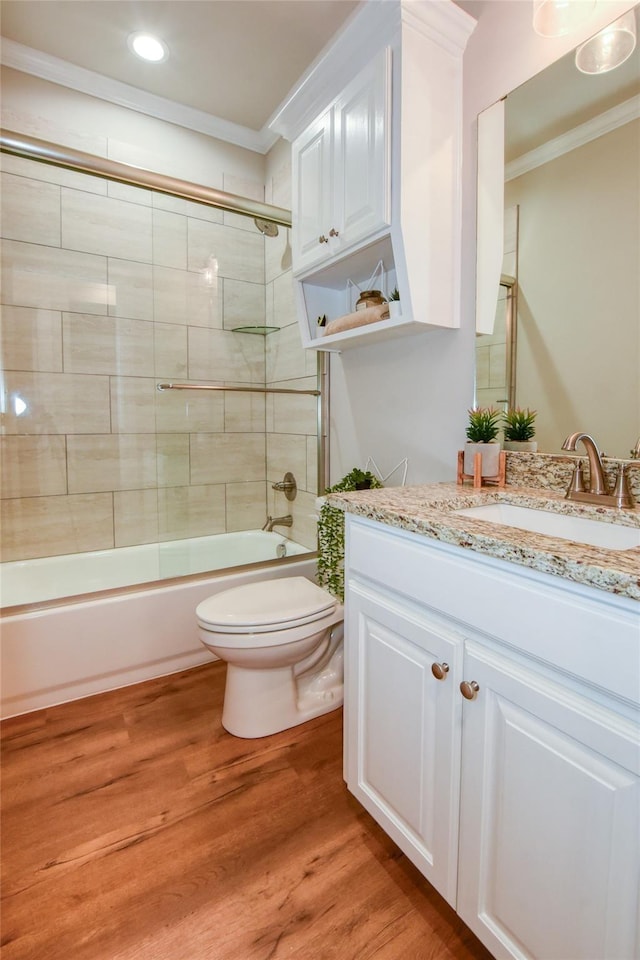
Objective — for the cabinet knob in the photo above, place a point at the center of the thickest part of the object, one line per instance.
(469, 689)
(440, 670)
(334, 233)
(323, 239)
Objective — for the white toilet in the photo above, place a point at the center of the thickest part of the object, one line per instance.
(282, 642)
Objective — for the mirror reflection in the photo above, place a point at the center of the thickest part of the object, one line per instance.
(572, 243)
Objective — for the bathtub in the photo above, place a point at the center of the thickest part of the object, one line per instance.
(74, 626)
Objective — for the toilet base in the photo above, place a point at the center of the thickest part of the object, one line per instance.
(260, 702)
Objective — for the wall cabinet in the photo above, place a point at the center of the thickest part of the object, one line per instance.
(516, 794)
(341, 170)
(376, 132)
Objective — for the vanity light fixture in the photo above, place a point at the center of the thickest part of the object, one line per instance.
(147, 47)
(609, 48)
(556, 18)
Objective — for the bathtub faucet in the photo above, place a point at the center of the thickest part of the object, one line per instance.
(278, 522)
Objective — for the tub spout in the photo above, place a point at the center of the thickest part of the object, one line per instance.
(278, 522)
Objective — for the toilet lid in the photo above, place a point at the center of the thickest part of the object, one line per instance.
(266, 605)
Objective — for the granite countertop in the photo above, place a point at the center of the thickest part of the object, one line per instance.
(428, 510)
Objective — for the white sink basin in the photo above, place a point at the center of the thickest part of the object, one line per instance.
(597, 533)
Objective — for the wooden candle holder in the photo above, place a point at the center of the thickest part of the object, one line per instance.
(476, 476)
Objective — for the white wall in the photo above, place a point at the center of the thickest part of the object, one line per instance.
(410, 397)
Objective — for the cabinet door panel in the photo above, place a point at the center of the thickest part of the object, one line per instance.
(362, 154)
(402, 749)
(549, 824)
(312, 161)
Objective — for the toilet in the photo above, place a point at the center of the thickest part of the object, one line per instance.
(282, 642)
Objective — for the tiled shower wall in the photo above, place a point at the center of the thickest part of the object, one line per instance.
(107, 290)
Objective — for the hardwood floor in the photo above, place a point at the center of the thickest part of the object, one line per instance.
(134, 826)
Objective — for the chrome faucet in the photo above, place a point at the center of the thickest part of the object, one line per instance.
(598, 491)
(278, 522)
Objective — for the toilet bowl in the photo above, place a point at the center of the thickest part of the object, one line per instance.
(282, 643)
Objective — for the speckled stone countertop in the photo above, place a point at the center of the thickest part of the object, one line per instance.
(428, 510)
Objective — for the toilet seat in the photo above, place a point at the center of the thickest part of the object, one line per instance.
(267, 606)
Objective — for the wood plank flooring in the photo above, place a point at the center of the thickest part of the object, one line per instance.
(135, 828)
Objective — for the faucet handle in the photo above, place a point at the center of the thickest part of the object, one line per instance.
(576, 484)
(622, 490)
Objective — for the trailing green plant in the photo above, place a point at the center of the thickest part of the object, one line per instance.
(394, 295)
(519, 424)
(331, 531)
(484, 424)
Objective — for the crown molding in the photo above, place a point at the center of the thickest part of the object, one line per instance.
(604, 123)
(42, 65)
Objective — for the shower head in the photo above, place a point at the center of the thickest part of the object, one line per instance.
(267, 227)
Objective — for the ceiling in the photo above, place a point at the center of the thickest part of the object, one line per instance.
(233, 59)
(236, 60)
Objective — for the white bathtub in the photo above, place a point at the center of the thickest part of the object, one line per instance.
(66, 649)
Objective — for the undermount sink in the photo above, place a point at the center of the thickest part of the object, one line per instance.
(597, 533)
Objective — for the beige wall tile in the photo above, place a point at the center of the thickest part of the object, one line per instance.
(286, 452)
(111, 462)
(286, 359)
(31, 339)
(243, 304)
(239, 254)
(173, 460)
(30, 210)
(33, 466)
(125, 191)
(170, 350)
(191, 511)
(246, 506)
(284, 307)
(131, 285)
(311, 484)
(169, 239)
(38, 276)
(277, 254)
(107, 345)
(187, 208)
(244, 412)
(56, 403)
(305, 524)
(49, 526)
(186, 411)
(106, 226)
(135, 517)
(188, 298)
(227, 457)
(133, 404)
(222, 355)
(47, 173)
(293, 414)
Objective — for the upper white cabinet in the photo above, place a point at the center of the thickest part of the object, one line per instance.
(376, 130)
(341, 170)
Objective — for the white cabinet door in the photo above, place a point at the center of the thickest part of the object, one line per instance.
(362, 128)
(402, 728)
(550, 805)
(312, 177)
(341, 170)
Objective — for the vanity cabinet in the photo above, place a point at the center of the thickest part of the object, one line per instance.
(341, 170)
(376, 132)
(513, 782)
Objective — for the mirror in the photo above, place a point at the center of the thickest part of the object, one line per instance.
(572, 189)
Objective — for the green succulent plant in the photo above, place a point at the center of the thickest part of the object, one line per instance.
(331, 531)
(394, 295)
(519, 424)
(484, 424)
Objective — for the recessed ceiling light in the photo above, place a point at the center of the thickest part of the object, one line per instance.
(148, 48)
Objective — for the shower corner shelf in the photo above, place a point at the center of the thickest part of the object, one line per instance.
(257, 330)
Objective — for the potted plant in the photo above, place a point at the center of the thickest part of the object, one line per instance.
(331, 531)
(519, 430)
(484, 424)
(394, 303)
